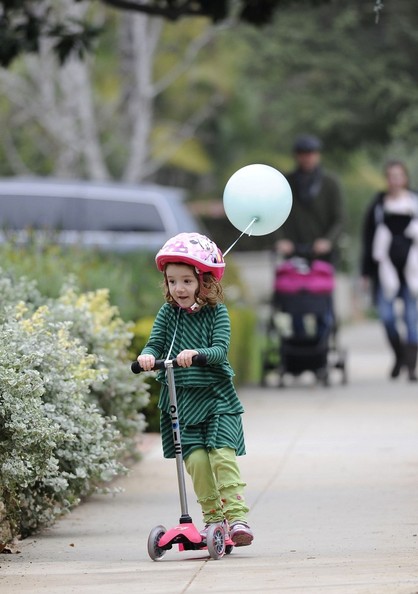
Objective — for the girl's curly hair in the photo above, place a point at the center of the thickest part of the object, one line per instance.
(209, 292)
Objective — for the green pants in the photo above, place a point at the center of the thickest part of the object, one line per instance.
(217, 484)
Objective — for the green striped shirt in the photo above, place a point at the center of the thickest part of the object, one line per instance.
(206, 331)
(202, 392)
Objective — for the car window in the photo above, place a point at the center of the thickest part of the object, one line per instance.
(20, 212)
(109, 215)
(71, 213)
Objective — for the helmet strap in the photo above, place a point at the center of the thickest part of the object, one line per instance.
(193, 308)
(196, 306)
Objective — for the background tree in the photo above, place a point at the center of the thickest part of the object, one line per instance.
(330, 70)
(23, 23)
(188, 102)
(93, 117)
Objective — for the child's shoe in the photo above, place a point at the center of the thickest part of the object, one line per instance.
(241, 534)
(204, 532)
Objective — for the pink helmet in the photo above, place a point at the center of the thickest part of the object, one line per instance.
(194, 249)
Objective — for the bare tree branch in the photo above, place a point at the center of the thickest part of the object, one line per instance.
(188, 8)
(185, 132)
(193, 49)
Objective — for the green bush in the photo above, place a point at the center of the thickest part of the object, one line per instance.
(98, 326)
(243, 349)
(132, 279)
(141, 331)
(64, 424)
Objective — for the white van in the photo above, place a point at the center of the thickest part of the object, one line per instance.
(111, 216)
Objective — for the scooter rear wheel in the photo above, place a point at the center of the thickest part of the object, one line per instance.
(154, 551)
(215, 541)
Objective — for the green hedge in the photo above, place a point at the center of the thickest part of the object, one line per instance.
(132, 279)
(243, 350)
(69, 410)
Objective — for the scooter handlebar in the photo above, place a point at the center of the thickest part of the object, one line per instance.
(198, 360)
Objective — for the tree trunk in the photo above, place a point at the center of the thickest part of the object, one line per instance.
(143, 34)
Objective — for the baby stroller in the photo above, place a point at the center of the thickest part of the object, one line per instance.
(302, 329)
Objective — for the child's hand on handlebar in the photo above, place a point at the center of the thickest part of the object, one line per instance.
(147, 362)
(184, 359)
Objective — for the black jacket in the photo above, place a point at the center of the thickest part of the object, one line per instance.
(322, 216)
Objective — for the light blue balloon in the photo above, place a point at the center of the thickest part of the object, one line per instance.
(257, 192)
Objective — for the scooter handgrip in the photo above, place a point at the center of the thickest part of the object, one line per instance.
(135, 367)
(198, 360)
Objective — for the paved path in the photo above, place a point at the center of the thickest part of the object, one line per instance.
(332, 482)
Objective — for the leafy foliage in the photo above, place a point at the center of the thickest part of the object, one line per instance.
(328, 70)
(257, 13)
(59, 360)
(98, 326)
(131, 279)
(24, 22)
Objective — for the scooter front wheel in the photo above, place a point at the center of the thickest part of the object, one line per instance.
(154, 551)
(215, 540)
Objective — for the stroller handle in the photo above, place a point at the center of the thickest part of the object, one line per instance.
(305, 251)
(198, 360)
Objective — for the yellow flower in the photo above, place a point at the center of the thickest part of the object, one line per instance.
(36, 321)
(20, 310)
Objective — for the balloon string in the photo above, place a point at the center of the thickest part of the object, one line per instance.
(255, 219)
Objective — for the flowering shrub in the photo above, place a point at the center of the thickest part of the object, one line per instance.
(132, 278)
(65, 424)
(99, 327)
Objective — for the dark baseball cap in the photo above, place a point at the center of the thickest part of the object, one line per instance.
(306, 143)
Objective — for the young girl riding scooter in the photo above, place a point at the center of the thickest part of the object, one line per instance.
(194, 321)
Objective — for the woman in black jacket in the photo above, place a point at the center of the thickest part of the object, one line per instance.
(390, 263)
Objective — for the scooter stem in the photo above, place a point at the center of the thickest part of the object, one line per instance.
(175, 425)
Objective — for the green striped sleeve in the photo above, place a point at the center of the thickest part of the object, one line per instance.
(217, 352)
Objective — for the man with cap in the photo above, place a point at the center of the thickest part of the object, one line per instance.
(315, 223)
(316, 220)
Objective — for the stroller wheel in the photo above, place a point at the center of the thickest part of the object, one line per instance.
(343, 366)
(344, 378)
(154, 551)
(323, 376)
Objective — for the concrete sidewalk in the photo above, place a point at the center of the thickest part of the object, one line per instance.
(332, 479)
